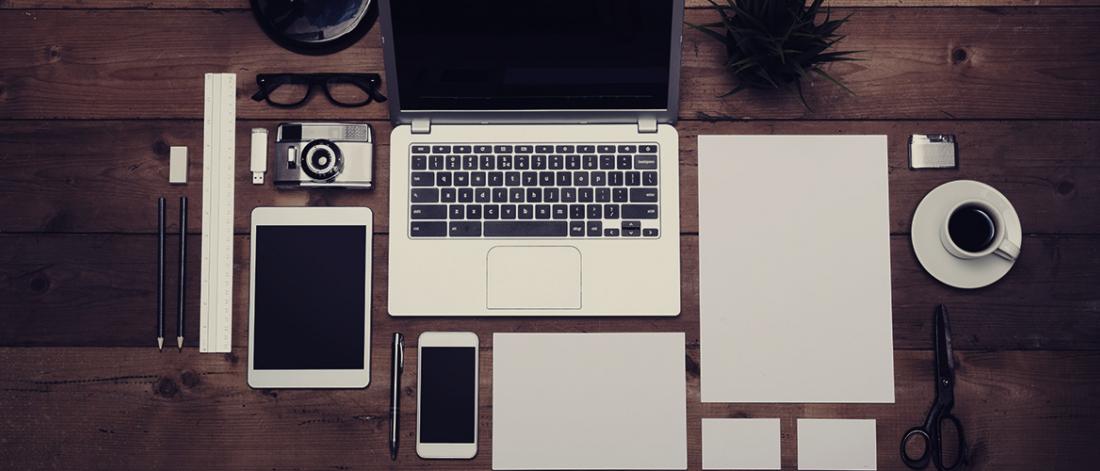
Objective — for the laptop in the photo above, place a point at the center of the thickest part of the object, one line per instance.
(533, 165)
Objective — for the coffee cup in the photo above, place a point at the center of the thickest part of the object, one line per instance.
(975, 229)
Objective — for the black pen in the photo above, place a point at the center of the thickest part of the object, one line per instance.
(183, 273)
(395, 389)
(160, 273)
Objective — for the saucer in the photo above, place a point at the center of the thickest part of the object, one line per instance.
(928, 222)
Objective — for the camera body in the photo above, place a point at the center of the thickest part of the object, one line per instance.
(334, 155)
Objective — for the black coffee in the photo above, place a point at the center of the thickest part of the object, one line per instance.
(971, 228)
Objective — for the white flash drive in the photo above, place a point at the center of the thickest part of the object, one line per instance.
(259, 155)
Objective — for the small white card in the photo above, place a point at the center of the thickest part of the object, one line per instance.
(741, 444)
(839, 444)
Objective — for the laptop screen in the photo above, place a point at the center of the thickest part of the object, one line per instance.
(532, 54)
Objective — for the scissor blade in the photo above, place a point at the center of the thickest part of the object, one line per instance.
(945, 357)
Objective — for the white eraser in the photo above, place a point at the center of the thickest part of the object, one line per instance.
(259, 155)
(177, 164)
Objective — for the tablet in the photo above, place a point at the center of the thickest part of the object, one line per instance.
(310, 298)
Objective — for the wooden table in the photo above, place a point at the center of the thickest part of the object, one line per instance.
(93, 93)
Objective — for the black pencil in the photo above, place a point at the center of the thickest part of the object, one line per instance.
(183, 272)
(160, 273)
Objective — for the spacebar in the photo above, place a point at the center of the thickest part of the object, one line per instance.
(526, 228)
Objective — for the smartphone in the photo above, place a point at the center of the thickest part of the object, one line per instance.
(446, 395)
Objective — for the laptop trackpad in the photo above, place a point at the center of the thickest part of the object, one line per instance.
(534, 278)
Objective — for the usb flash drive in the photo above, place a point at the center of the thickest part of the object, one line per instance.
(259, 155)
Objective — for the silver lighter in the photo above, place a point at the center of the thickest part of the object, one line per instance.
(933, 151)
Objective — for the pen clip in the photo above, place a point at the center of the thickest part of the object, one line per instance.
(401, 354)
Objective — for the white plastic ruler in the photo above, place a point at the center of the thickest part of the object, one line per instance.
(218, 158)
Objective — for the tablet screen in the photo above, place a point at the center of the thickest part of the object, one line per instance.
(309, 297)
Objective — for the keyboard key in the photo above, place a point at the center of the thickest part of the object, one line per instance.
(460, 178)
(496, 178)
(564, 149)
(580, 178)
(515, 195)
(546, 178)
(481, 195)
(599, 178)
(526, 229)
(595, 211)
(619, 195)
(465, 195)
(420, 149)
(615, 178)
(428, 211)
(631, 232)
(590, 162)
(511, 178)
(423, 179)
(632, 224)
(488, 162)
(648, 148)
(500, 195)
(439, 149)
(454, 162)
(565, 178)
(628, 149)
(611, 211)
(524, 149)
(447, 195)
(530, 178)
(556, 162)
(559, 211)
(504, 162)
(551, 195)
(645, 162)
(568, 195)
(419, 162)
(609, 232)
(542, 211)
(534, 195)
(649, 178)
(603, 195)
(587, 148)
(435, 162)
(576, 211)
(522, 162)
(424, 195)
(640, 211)
(502, 149)
(492, 211)
(473, 211)
(427, 229)
(443, 179)
(456, 211)
(544, 149)
(649, 232)
(573, 162)
(607, 162)
(643, 195)
(633, 178)
(604, 148)
(584, 195)
(465, 229)
(526, 211)
(507, 211)
(625, 161)
(538, 162)
(576, 228)
(478, 178)
(462, 149)
(595, 228)
(483, 149)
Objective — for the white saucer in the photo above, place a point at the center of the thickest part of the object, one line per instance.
(928, 222)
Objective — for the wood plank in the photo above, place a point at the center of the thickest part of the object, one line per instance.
(99, 290)
(939, 63)
(51, 168)
(243, 4)
(125, 408)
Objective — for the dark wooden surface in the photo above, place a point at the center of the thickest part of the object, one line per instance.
(92, 94)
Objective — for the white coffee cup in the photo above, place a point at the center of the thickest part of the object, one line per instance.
(999, 245)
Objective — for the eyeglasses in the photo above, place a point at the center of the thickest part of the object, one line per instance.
(293, 90)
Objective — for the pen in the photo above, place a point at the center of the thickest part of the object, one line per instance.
(160, 273)
(395, 389)
(183, 272)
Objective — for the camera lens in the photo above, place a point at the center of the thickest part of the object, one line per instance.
(322, 159)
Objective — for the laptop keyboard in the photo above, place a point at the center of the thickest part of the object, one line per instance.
(534, 190)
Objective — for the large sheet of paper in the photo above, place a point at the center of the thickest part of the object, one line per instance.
(837, 444)
(589, 401)
(794, 269)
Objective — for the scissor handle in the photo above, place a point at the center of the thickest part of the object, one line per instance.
(960, 457)
(921, 461)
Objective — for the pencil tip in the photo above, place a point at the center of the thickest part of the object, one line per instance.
(160, 343)
(179, 343)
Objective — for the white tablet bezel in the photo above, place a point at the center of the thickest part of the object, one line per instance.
(311, 216)
(447, 339)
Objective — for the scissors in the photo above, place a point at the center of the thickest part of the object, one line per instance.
(940, 412)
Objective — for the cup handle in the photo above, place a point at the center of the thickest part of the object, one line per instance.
(1008, 250)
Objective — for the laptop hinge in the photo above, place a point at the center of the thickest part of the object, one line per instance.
(647, 124)
(421, 126)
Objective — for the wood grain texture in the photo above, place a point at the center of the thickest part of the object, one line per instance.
(135, 408)
(243, 4)
(1049, 170)
(99, 290)
(925, 63)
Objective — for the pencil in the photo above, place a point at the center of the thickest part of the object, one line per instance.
(160, 273)
(183, 273)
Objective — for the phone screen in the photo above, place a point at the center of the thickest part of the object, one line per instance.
(448, 378)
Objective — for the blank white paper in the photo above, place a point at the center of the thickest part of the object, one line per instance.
(589, 401)
(741, 444)
(794, 269)
(839, 444)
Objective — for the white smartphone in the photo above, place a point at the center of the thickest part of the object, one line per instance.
(446, 395)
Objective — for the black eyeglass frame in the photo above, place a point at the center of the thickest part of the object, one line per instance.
(369, 83)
